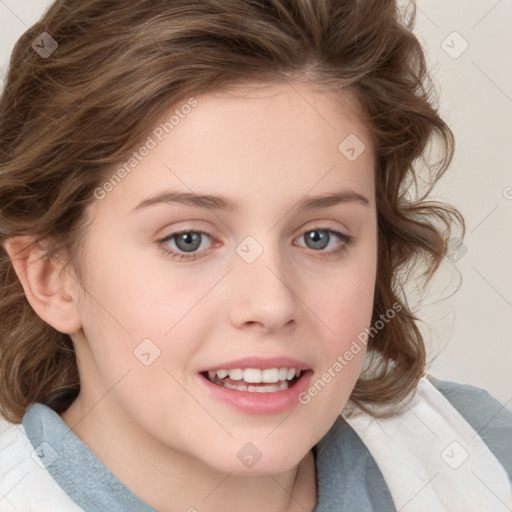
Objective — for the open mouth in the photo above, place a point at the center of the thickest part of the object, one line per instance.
(239, 384)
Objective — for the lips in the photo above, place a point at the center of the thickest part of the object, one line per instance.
(257, 398)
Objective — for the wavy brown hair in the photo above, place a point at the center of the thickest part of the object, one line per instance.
(65, 120)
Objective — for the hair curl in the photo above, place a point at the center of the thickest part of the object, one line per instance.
(65, 120)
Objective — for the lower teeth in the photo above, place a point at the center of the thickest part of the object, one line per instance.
(269, 388)
(257, 389)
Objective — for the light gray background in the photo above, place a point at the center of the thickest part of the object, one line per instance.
(471, 330)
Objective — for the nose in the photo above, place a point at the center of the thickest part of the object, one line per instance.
(262, 294)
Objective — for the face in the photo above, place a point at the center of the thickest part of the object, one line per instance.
(275, 276)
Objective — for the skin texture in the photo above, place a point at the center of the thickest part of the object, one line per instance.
(154, 426)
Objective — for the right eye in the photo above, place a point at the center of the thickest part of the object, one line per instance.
(186, 241)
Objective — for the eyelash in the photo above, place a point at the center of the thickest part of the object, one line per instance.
(348, 241)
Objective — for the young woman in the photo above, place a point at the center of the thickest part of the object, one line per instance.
(207, 218)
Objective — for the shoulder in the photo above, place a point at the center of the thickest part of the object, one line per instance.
(490, 419)
(24, 483)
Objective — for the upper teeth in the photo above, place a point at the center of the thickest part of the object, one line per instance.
(256, 375)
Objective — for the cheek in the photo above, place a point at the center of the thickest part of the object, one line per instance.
(138, 318)
(347, 315)
(345, 308)
(344, 304)
(141, 335)
(133, 297)
(345, 301)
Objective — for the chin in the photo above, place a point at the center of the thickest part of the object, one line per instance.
(248, 460)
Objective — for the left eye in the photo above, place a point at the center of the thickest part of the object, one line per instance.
(187, 242)
(318, 239)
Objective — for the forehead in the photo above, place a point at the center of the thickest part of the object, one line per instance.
(252, 141)
(279, 116)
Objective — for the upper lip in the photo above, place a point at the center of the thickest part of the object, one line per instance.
(258, 362)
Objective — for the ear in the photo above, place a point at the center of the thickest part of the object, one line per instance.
(50, 289)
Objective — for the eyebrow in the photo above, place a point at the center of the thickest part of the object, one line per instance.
(220, 202)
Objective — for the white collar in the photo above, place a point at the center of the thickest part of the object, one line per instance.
(432, 459)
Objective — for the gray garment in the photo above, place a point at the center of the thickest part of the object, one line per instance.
(347, 476)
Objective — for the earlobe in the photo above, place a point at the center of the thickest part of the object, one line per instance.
(49, 288)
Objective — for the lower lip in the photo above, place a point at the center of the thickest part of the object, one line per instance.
(259, 403)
